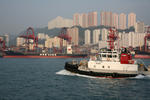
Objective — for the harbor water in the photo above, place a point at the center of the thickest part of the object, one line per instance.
(46, 79)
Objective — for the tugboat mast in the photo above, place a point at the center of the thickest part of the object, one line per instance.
(112, 38)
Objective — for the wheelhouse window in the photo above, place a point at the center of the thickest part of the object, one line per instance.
(109, 56)
(103, 55)
(114, 56)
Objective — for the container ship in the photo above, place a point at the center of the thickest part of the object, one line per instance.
(20, 54)
(30, 48)
(12, 54)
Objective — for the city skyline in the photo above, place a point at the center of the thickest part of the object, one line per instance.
(17, 15)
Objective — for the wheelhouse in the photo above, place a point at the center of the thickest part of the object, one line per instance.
(108, 55)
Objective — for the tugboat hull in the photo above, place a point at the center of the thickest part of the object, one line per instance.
(74, 68)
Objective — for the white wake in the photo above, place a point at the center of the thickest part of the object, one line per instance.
(142, 77)
(65, 72)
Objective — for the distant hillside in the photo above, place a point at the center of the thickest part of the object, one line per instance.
(59, 22)
(52, 32)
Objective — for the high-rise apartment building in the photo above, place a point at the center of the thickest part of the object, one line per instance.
(74, 34)
(124, 40)
(122, 21)
(77, 19)
(103, 38)
(102, 21)
(80, 20)
(92, 19)
(115, 20)
(104, 34)
(131, 19)
(96, 35)
(6, 38)
(20, 41)
(106, 19)
(54, 42)
(139, 27)
(131, 39)
(87, 35)
(84, 20)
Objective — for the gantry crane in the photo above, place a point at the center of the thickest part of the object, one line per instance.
(2, 45)
(64, 36)
(30, 36)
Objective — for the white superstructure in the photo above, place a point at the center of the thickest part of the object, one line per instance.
(109, 61)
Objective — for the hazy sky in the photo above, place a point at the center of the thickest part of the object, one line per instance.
(17, 15)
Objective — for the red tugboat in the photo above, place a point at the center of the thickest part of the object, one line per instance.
(109, 63)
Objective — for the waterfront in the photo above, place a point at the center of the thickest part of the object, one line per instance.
(46, 79)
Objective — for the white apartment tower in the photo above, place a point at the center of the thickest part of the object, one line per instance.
(84, 20)
(122, 21)
(104, 34)
(74, 34)
(87, 37)
(77, 19)
(20, 41)
(139, 27)
(115, 20)
(96, 35)
(106, 18)
(80, 20)
(92, 19)
(131, 39)
(131, 19)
